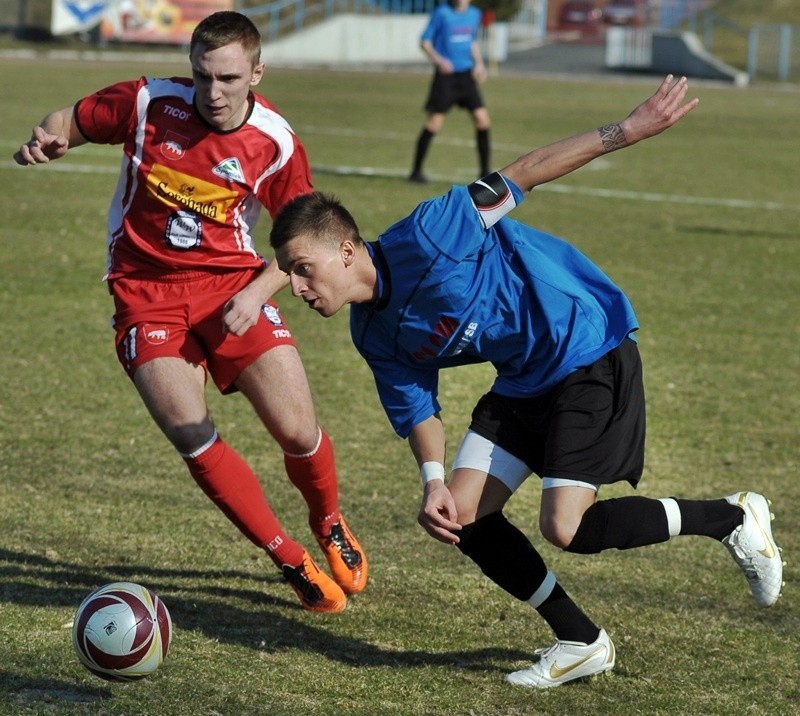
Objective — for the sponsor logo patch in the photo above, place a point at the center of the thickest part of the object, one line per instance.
(155, 335)
(182, 191)
(173, 147)
(184, 230)
(442, 332)
(272, 314)
(229, 169)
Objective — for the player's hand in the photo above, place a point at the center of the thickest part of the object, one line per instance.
(659, 112)
(480, 73)
(241, 312)
(437, 514)
(41, 148)
(444, 66)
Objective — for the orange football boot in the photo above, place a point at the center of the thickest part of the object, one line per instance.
(345, 557)
(317, 591)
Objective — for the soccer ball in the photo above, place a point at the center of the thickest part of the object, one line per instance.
(122, 632)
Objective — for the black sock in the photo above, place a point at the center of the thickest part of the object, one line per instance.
(622, 523)
(504, 554)
(482, 139)
(507, 557)
(710, 518)
(424, 140)
(566, 619)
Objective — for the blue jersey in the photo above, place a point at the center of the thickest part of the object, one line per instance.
(460, 284)
(452, 34)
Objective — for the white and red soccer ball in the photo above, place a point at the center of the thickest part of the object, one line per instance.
(122, 632)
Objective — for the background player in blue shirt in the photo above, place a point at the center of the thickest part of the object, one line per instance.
(450, 41)
(458, 282)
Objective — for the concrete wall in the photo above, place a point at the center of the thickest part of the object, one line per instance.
(351, 39)
(364, 40)
(679, 53)
(683, 54)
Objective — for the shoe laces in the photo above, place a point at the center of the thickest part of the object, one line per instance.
(337, 537)
(545, 652)
(299, 579)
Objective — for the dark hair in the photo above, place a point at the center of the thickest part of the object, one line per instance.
(224, 28)
(319, 215)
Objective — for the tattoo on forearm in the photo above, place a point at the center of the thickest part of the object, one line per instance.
(612, 137)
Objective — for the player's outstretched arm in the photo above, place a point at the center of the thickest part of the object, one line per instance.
(658, 113)
(55, 134)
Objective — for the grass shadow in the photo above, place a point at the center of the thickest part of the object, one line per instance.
(194, 596)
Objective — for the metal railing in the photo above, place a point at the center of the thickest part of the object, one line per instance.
(773, 50)
(769, 50)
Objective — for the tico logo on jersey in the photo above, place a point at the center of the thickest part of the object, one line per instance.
(174, 145)
(179, 190)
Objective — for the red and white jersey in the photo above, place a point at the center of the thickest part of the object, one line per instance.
(189, 195)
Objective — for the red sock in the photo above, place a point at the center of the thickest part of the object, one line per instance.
(234, 488)
(314, 474)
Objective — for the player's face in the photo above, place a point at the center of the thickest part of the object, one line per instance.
(317, 273)
(222, 80)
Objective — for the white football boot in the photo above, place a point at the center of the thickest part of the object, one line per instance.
(565, 661)
(753, 548)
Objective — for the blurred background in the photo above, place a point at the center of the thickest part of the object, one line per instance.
(738, 41)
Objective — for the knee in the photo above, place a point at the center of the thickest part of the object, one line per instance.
(299, 440)
(482, 120)
(559, 531)
(189, 438)
(434, 123)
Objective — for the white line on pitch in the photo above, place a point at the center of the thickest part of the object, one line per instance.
(656, 197)
(582, 191)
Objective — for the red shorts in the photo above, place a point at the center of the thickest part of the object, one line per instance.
(183, 319)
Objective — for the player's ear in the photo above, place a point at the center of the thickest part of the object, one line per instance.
(347, 250)
(258, 73)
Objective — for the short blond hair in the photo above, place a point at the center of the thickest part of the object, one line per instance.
(224, 28)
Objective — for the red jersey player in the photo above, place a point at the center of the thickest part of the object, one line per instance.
(192, 295)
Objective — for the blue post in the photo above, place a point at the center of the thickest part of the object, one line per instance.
(541, 21)
(273, 22)
(784, 47)
(671, 14)
(691, 12)
(708, 31)
(752, 51)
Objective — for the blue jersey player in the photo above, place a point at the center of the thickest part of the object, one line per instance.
(459, 282)
(450, 41)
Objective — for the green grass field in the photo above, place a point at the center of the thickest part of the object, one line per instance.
(700, 226)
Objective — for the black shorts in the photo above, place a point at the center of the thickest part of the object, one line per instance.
(589, 427)
(458, 88)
